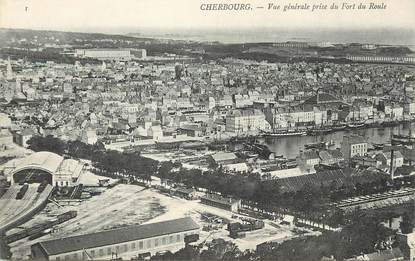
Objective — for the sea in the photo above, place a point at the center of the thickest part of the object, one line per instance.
(389, 36)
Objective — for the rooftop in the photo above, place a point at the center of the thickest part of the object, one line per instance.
(115, 236)
(219, 199)
(223, 156)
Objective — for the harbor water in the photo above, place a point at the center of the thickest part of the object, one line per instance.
(290, 146)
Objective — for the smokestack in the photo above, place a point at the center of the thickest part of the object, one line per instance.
(391, 167)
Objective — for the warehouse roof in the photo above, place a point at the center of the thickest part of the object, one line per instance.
(116, 236)
(224, 156)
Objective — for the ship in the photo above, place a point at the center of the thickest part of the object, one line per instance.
(403, 139)
(319, 131)
(356, 125)
(339, 127)
(285, 133)
(390, 123)
(261, 149)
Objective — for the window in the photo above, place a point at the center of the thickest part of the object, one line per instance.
(109, 252)
(101, 252)
(58, 258)
(66, 257)
(148, 243)
(117, 249)
(140, 245)
(171, 238)
(125, 248)
(133, 245)
(163, 241)
(92, 253)
(178, 238)
(156, 242)
(75, 256)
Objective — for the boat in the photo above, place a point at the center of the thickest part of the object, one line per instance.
(356, 125)
(390, 123)
(319, 131)
(339, 127)
(318, 145)
(285, 133)
(257, 148)
(403, 139)
(378, 146)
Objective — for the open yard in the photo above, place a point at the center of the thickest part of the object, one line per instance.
(130, 204)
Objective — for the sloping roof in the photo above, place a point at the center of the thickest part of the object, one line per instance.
(285, 173)
(43, 159)
(115, 236)
(338, 177)
(223, 156)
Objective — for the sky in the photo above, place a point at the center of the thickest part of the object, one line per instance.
(107, 15)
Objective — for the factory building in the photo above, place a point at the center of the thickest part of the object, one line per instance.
(111, 54)
(125, 241)
(104, 54)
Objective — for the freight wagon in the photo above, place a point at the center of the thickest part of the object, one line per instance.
(39, 228)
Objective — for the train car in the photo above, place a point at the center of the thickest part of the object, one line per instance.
(22, 191)
(40, 234)
(16, 236)
(38, 229)
(42, 187)
(67, 215)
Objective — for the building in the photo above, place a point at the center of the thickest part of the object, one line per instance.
(131, 240)
(385, 158)
(6, 139)
(246, 120)
(47, 166)
(89, 136)
(330, 157)
(223, 158)
(104, 54)
(285, 173)
(187, 193)
(353, 145)
(237, 167)
(407, 245)
(309, 158)
(139, 53)
(21, 137)
(221, 202)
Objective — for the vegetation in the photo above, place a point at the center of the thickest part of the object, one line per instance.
(310, 201)
(364, 234)
(109, 163)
